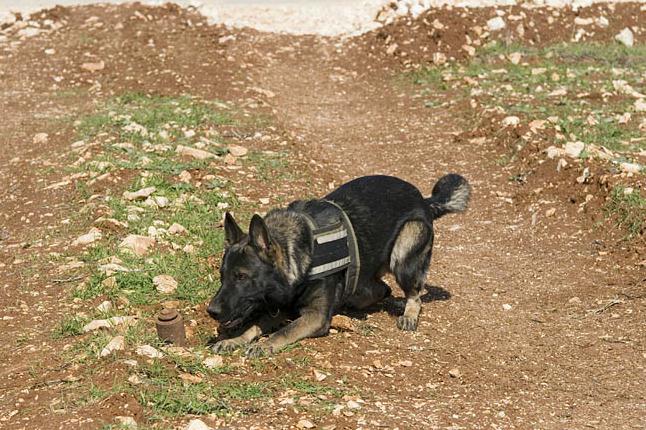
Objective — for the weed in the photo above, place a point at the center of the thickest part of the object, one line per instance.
(69, 326)
(628, 210)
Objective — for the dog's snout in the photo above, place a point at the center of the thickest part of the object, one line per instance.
(215, 310)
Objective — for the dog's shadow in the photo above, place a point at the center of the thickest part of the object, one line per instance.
(395, 305)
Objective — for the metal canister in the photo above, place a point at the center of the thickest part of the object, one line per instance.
(170, 327)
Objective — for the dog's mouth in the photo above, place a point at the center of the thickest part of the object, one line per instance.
(232, 323)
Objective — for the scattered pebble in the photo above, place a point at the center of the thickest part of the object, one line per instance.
(148, 351)
(197, 425)
(117, 343)
(138, 245)
(165, 284)
(455, 373)
(626, 37)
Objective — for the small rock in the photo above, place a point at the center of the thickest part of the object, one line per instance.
(406, 363)
(110, 224)
(134, 379)
(439, 58)
(506, 307)
(176, 228)
(574, 300)
(511, 121)
(495, 24)
(197, 425)
(185, 176)
(230, 159)
(237, 150)
(109, 323)
(305, 424)
(139, 245)
(469, 50)
(170, 304)
(198, 154)
(264, 200)
(602, 22)
(515, 57)
(128, 422)
(109, 282)
(213, 361)
(141, 194)
(165, 284)
(161, 201)
(624, 118)
(455, 373)
(148, 351)
(105, 306)
(319, 376)
(342, 322)
(40, 138)
(626, 37)
(574, 149)
(351, 404)
(550, 212)
(117, 343)
(93, 67)
(630, 167)
(640, 105)
(92, 236)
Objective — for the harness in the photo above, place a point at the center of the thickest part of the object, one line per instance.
(335, 245)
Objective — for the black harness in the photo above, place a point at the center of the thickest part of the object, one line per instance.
(334, 243)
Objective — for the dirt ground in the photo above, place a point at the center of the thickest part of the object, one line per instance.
(530, 320)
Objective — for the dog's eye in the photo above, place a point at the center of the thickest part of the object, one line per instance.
(240, 276)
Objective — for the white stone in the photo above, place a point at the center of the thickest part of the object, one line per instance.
(128, 422)
(630, 167)
(213, 361)
(117, 343)
(574, 149)
(198, 154)
(197, 425)
(237, 150)
(506, 307)
(105, 306)
(40, 138)
(148, 351)
(165, 284)
(109, 323)
(141, 194)
(92, 236)
(626, 37)
(495, 24)
(640, 105)
(511, 121)
(176, 228)
(138, 245)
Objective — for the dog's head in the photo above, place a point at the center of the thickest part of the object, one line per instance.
(249, 275)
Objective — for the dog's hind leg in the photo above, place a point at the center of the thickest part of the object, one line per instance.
(409, 261)
(368, 293)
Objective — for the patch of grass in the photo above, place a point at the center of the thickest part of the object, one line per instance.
(270, 165)
(627, 210)
(308, 387)
(69, 326)
(530, 89)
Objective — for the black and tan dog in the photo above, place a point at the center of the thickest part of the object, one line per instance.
(294, 262)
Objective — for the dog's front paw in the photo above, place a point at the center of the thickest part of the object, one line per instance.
(226, 345)
(407, 323)
(258, 350)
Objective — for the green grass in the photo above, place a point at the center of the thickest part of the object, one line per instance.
(627, 210)
(581, 68)
(69, 326)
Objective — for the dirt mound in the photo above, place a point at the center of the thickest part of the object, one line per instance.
(450, 33)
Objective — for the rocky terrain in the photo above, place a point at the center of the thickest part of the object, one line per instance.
(129, 130)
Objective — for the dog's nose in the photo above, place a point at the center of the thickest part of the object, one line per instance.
(215, 310)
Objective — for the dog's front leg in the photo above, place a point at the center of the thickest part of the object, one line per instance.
(263, 326)
(311, 323)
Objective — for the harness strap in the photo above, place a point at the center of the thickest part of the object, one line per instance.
(335, 249)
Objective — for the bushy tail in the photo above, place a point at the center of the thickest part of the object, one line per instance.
(450, 194)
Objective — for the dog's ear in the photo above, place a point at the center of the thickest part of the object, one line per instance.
(232, 232)
(259, 235)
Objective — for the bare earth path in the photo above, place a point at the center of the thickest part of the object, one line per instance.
(521, 366)
(516, 312)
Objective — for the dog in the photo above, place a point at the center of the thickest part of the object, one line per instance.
(267, 275)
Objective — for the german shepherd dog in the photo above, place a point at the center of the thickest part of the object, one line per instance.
(264, 273)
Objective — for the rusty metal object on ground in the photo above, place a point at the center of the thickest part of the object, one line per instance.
(170, 327)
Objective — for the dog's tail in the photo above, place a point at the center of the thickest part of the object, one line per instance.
(450, 194)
